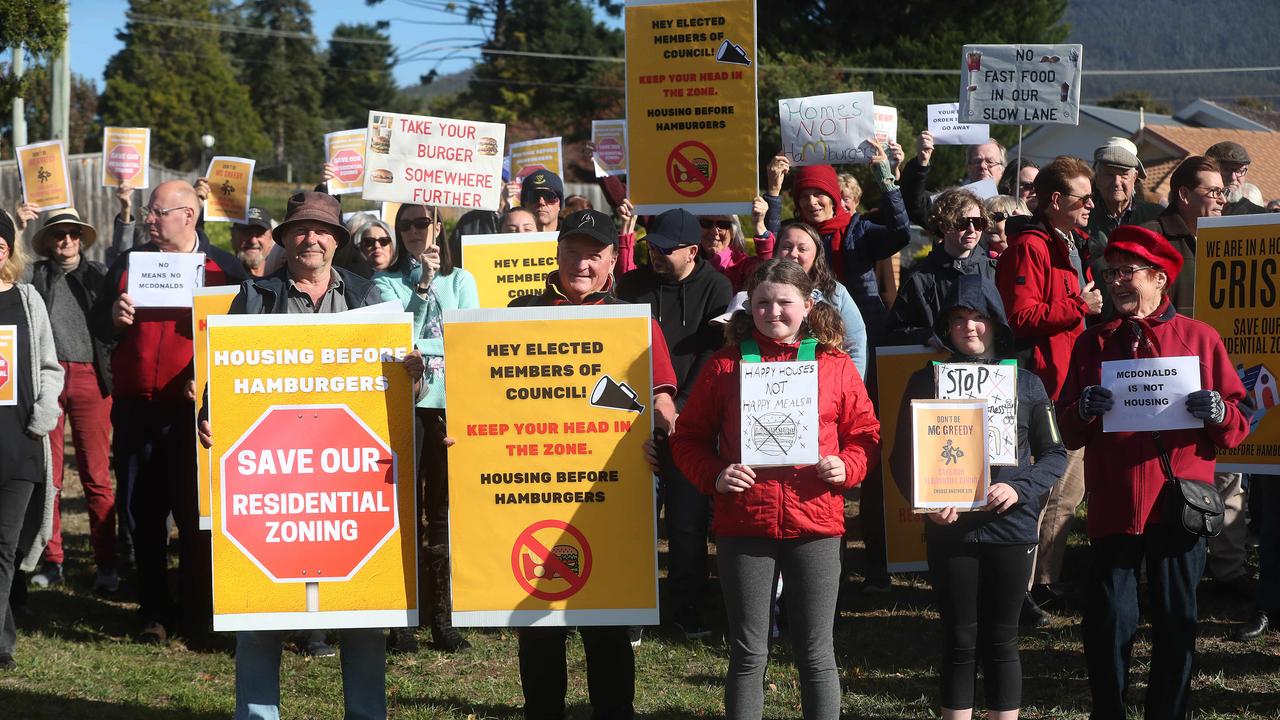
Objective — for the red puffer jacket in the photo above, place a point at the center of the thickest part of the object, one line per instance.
(1041, 293)
(1122, 473)
(788, 502)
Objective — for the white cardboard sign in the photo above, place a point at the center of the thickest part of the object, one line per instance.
(827, 129)
(998, 385)
(886, 121)
(1020, 84)
(779, 413)
(433, 161)
(1151, 394)
(164, 280)
(946, 128)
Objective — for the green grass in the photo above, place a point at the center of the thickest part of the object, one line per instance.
(76, 662)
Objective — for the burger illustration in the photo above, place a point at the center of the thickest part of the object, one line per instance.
(381, 143)
(488, 146)
(381, 175)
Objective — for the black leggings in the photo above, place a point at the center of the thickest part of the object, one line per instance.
(980, 588)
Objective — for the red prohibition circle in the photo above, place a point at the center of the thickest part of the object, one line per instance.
(691, 162)
(548, 559)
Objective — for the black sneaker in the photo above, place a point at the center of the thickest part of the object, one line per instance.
(7, 663)
(402, 641)
(877, 585)
(691, 625)
(320, 649)
(1031, 616)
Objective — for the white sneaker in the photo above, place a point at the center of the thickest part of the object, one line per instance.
(106, 581)
(48, 574)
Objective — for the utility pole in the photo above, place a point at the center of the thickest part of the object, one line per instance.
(60, 108)
(19, 105)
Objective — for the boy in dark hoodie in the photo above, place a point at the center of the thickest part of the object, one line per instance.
(980, 562)
(684, 294)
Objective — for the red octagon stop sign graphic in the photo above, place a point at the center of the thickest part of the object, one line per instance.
(124, 162)
(309, 493)
(4, 370)
(348, 164)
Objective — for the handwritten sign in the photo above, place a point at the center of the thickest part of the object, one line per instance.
(344, 150)
(230, 190)
(1020, 84)
(10, 365)
(998, 385)
(530, 156)
(827, 129)
(1151, 394)
(949, 454)
(42, 168)
(162, 280)
(886, 121)
(610, 140)
(946, 128)
(126, 156)
(433, 161)
(779, 413)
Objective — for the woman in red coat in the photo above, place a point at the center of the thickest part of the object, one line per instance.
(1124, 478)
(788, 519)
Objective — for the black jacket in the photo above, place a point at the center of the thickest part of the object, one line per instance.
(1038, 435)
(1175, 230)
(86, 284)
(475, 222)
(926, 288)
(1100, 227)
(684, 310)
(1243, 206)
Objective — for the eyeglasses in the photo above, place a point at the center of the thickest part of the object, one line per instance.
(1123, 273)
(668, 251)
(999, 216)
(966, 223)
(1084, 199)
(708, 223)
(163, 212)
(1237, 169)
(1216, 193)
(368, 242)
(984, 162)
(421, 223)
(73, 233)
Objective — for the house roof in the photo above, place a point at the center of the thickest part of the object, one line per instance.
(1160, 145)
(1126, 120)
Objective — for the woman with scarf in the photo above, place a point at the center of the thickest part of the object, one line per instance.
(1125, 475)
(980, 562)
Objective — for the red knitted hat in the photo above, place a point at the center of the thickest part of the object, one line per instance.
(1148, 245)
(818, 177)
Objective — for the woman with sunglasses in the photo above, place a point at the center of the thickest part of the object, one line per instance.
(1001, 208)
(958, 220)
(724, 247)
(424, 279)
(26, 471)
(375, 242)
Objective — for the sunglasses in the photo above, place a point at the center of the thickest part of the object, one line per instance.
(369, 242)
(669, 251)
(421, 223)
(59, 234)
(999, 216)
(976, 223)
(707, 224)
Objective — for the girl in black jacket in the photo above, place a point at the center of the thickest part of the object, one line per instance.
(980, 561)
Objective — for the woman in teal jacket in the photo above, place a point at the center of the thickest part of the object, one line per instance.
(426, 282)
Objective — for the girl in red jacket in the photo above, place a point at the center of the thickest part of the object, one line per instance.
(787, 519)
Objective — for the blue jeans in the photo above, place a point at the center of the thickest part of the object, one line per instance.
(363, 654)
(1174, 561)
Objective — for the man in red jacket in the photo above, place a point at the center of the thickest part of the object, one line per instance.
(154, 418)
(1047, 293)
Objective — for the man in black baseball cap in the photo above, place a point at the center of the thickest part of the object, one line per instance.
(684, 292)
(253, 245)
(1233, 160)
(542, 193)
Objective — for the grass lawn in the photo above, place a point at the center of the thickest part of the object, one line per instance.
(77, 663)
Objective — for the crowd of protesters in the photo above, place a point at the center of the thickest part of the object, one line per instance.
(1070, 267)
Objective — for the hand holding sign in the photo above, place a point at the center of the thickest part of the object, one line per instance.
(735, 479)
(831, 470)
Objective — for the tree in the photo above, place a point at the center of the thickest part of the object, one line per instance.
(1137, 100)
(358, 75)
(38, 26)
(85, 132)
(285, 77)
(173, 77)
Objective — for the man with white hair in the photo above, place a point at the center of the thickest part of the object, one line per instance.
(1234, 161)
(1117, 170)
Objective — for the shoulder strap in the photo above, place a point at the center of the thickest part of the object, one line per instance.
(1165, 462)
(751, 350)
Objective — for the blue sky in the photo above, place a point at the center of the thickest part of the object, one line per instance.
(94, 24)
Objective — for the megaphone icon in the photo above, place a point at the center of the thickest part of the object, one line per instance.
(610, 393)
(732, 53)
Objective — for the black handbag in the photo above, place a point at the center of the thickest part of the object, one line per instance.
(1196, 506)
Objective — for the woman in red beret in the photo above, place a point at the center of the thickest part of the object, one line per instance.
(1126, 483)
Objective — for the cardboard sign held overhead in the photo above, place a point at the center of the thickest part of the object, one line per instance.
(1020, 84)
(433, 161)
(230, 189)
(42, 168)
(126, 156)
(344, 150)
(827, 129)
(531, 156)
(946, 128)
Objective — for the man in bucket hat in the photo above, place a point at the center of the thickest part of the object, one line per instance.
(70, 283)
(311, 233)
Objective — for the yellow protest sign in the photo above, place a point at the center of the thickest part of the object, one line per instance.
(691, 105)
(230, 189)
(344, 150)
(205, 302)
(313, 471)
(550, 496)
(609, 138)
(126, 156)
(42, 168)
(10, 365)
(531, 156)
(904, 530)
(509, 265)
(1237, 280)
(949, 454)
